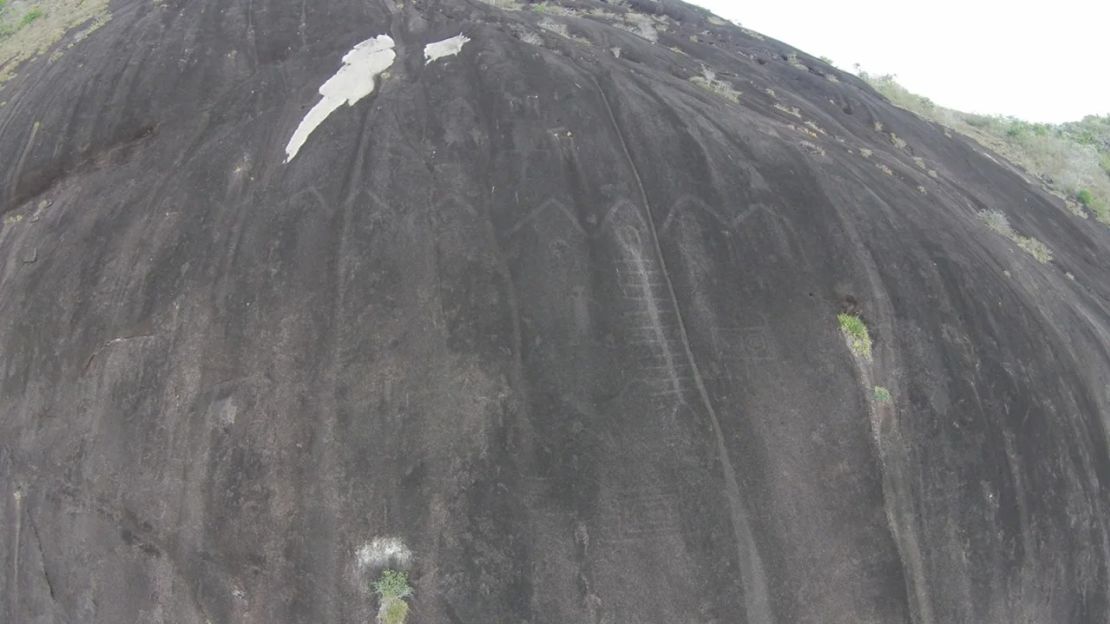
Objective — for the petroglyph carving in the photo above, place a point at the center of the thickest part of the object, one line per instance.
(636, 515)
(728, 222)
(549, 205)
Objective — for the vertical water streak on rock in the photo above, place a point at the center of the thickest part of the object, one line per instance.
(13, 590)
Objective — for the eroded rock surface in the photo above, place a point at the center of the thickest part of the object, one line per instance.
(551, 321)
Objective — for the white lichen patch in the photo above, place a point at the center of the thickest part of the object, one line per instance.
(354, 81)
(383, 552)
(447, 47)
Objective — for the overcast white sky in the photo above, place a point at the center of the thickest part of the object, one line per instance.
(1043, 61)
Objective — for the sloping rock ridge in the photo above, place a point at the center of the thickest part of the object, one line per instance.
(541, 304)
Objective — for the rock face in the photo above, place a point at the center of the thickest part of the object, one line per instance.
(551, 311)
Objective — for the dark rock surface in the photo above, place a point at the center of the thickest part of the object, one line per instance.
(558, 317)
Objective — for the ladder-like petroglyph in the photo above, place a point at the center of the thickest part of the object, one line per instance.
(642, 283)
(742, 351)
(633, 515)
(753, 578)
(551, 204)
(725, 219)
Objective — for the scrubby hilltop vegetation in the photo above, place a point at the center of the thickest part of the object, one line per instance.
(29, 28)
(1071, 159)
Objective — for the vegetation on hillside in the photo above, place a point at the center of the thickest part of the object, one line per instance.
(28, 29)
(1070, 159)
(15, 17)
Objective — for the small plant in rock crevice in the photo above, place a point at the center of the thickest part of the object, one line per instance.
(392, 589)
(882, 395)
(855, 332)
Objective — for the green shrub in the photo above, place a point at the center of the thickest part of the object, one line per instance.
(855, 332)
(393, 584)
(392, 589)
(1094, 204)
(882, 395)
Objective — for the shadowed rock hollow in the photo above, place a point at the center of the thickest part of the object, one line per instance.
(551, 306)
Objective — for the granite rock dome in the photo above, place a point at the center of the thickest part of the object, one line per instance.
(545, 314)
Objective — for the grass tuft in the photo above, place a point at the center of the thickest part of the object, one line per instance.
(997, 221)
(855, 332)
(789, 110)
(1035, 248)
(708, 81)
